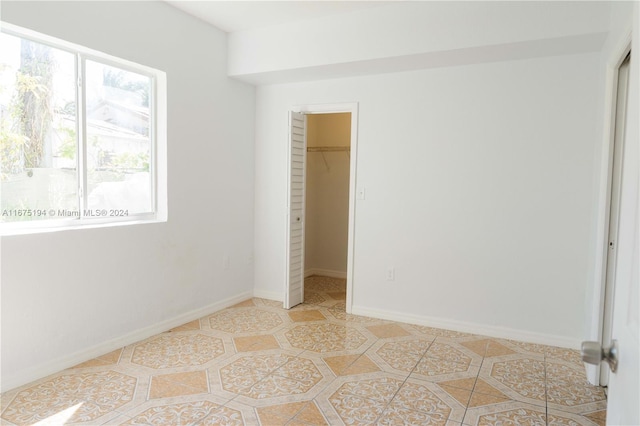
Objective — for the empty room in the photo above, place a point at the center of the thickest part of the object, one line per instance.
(319, 213)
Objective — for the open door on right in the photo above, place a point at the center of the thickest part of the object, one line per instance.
(622, 352)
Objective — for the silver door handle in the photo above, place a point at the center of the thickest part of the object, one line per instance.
(593, 353)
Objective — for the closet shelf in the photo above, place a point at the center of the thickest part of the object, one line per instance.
(328, 148)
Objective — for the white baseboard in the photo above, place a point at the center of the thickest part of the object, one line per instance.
(325, 273)
(468, 327)
(267, 294)
(19, 378)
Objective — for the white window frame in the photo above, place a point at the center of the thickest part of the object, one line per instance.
(157, 135)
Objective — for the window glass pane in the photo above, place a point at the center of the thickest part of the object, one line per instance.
(38, 141)
(118, 139)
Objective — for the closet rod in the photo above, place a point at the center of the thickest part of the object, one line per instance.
(328, 148)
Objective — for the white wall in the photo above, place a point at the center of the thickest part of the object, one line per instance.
(479, 184)
(65, 295)
(409, 35)
(327, 196)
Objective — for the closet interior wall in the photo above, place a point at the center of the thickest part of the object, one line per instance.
(327, 194)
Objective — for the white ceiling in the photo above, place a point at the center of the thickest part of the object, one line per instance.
(239, 15)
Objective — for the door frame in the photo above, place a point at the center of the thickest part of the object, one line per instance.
(351, 107)
(602, 307)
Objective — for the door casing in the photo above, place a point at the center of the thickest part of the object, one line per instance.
(602, 305)
(351, 107)
(615, 186)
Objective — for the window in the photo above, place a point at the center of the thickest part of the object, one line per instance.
(82, 136)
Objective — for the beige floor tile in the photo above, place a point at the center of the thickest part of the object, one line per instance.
(393, 356)
(526, 348)
(477, 346)
(433, 332)
(563, 418)
(328, 410)
(568, 390)
(337, 306)
(178, 384)
(245, 320)
(507, 413)
(177, 350)
(344, 365)
(295, 422)
(186, 413)
(434, 369)
(120, 419)
(480, 399)
(190, 326)
(255, 343)
(77, 397)
(495, 348)
(428, 397)
(454, 352)
(598, 417)
(447, 361)
(320, 283)
(111, 358)
(266, 302)
(572, 356)
(363, 401)
(519, 377)
(467, 383)
(415, 398)
(195, 379)
(308, 315)
(362, 365)
(140, 397)
(461, 395)
(247, 414)
(399, 416)
(270, 376)
(339, 363)
(279, 414)
(207, 399)
(337, 295)
(387, 330)
(483, 387)
(69, 416)
(325, 337)
(310, 415)
(256, 363)
(350, 318)
(314, 298)
(246, 304)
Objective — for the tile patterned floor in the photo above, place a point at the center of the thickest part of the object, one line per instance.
(258, 364)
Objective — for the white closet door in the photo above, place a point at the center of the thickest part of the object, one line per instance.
(294, 294)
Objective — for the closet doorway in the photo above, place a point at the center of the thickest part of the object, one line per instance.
(321, 206)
